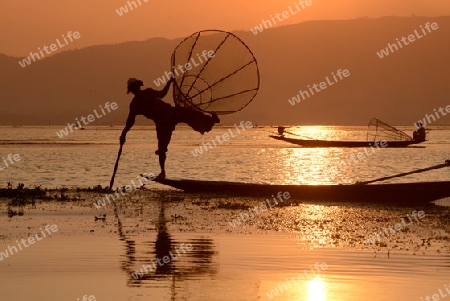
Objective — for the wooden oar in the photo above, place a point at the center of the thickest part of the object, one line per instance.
(111, 183)
(446, 164)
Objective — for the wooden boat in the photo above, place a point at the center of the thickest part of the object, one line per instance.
(330, 143)
(379, 134)
(397, 193)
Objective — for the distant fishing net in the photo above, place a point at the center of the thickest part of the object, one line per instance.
(218, 73)
(379, 130)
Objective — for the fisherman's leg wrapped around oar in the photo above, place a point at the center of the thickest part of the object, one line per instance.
(197, 120)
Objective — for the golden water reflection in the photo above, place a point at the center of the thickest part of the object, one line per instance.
(329, 133)
(316, 290)
(312, 166)
(315, 166)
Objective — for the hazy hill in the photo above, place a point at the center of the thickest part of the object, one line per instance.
(400, 88)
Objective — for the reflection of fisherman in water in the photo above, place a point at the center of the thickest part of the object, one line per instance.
(199, 261)
(420, 134)
(177, 261)
(163, 244)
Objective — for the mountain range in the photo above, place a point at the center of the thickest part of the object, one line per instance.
(399, 88)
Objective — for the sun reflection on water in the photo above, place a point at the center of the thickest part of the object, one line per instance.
(309, 166)
(315, 166)
(316, 290)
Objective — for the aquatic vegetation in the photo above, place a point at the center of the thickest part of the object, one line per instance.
(21, 191)
(97, 188)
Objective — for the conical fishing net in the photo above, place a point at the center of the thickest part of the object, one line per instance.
(214, 72)
(379, 130)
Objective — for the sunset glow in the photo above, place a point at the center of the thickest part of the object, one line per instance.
(33, 28)
(270, 150)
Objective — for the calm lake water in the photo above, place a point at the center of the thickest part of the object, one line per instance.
(304, 252)
(270, 257)
(87, 157)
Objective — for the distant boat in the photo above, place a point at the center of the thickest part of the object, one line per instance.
(331, 143)
(379, 134)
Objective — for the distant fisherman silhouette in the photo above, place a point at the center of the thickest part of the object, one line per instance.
(420, 134)
(148, 103)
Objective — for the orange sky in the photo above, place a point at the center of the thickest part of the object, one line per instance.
(28, 24)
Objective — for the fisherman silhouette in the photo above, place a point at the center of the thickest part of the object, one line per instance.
(420, 134)
(148, 103)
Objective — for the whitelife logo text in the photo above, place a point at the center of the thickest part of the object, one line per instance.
(53, 47)
(91, 118)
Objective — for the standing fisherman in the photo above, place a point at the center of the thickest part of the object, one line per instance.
(148, 103)
(420, 134)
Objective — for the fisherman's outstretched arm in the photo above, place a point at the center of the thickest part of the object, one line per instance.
(129, 124)
(163, 92)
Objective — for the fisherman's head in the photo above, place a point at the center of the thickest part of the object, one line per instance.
(419, 125)
(134, 85)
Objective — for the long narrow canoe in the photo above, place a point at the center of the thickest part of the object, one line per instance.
(400, 193)
(336, 143)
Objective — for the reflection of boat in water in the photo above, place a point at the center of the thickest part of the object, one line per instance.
(379, 134)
